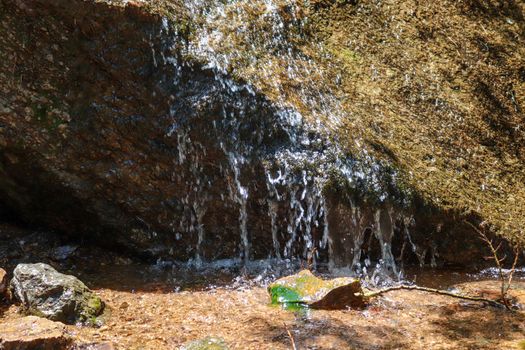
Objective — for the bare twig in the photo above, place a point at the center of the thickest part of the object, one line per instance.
(513, 268)
(290, 336)
(504, 280)
(435, 291)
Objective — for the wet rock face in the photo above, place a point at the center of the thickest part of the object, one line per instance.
(109, 130)
(129, 144)
(47, 293)
(119, 141)
(33, 332)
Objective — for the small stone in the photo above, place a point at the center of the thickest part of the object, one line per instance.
(45, 292)
(33, 332)
(63, 252)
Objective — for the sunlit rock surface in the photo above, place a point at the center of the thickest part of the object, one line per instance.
(306, 290)
(43, 291)
(3, 282)
(198, 130)
(33, 332)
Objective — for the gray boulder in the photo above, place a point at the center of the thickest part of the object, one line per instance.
(47, 293)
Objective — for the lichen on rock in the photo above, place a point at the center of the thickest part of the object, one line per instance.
(43, 291)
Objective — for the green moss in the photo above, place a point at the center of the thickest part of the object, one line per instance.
(281, 295)
(45, 114)
(347, 56)
(303, 290)
(92, 308)
(95, 304)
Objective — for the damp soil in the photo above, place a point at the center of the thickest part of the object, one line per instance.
(152, 308)
(164, 305)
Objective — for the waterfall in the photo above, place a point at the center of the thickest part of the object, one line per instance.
(294, 154)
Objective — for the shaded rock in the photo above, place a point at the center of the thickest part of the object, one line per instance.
(21, 244)
(33, 333)
(208, 343)
(305, 289)
(47, 293)
(63, 252)
(3, 281)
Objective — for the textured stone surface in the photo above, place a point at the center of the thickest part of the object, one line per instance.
(3, 281)
(111, 129)
(31, 332)
(94, 346)
(45, 292)
(99, 132)
(306, 290)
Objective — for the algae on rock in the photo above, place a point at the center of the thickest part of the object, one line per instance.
(306, 290)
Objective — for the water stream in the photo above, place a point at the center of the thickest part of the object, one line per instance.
(274, 165)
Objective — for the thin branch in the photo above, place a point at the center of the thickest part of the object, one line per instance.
(513, 268)
(435, 291)
(497, 260)
(290, 336)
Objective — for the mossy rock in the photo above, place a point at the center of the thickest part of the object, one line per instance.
(208, 343)
(306, 290)
(45, 292)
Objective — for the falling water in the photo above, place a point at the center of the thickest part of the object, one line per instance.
(239, 194)
(296, 174)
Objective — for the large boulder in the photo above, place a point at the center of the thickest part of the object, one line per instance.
(127, 125)
(121, 136)
(45, 292)
(33, 332)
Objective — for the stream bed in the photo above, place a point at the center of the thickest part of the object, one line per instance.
(167, 304)
(154, 307)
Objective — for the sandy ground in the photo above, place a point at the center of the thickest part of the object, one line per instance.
(155, 318)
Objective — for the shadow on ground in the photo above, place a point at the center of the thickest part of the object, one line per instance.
(329, 334)
(478, 324)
